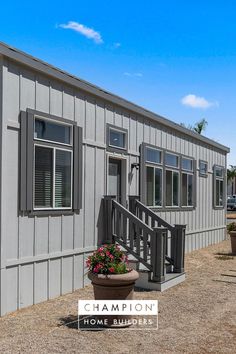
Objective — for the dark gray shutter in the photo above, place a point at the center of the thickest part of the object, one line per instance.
(78, 166)
(26, 164)
(23, 161)
(194, 183)
(142, 174)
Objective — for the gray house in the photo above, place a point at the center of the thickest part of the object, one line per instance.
(81, 166)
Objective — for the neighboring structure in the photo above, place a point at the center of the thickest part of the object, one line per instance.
(65, 144)
(231, 187)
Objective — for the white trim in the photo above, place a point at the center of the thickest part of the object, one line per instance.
(188, 174)
(184, 169)
(55, 123)
(48, 256)
(206, 164)
(53, 179)
(151, 148)
(124, 173)
(172, 189)
(162, 177)
(178, 159)
(125, 138)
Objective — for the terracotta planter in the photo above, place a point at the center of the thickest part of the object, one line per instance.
(233, 241)
(114, 287)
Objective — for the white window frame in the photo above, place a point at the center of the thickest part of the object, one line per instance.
(172, 179)
(150, 148)
(154, 168)
(221, 179)
(165, 167)
(185, 169)
(188, 174)
(203, 174)
(56, 123)
(54, 148)
(119, 131)
(124, 174)
(178, 159)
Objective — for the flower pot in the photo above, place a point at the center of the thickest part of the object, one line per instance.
(233, 241)
(114, 287)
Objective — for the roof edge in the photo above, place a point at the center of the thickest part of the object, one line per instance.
(72, 80)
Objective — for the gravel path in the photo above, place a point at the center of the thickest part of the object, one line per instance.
(197, 316)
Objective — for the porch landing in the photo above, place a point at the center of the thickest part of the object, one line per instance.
(144, 282)
(171, 279)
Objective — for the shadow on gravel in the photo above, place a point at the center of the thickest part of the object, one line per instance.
(81, 323)
(141, 290)
(225, 256)
(70, 321)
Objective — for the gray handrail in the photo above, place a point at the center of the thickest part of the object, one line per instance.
(128, 228)
(132, 217)
(153, 215)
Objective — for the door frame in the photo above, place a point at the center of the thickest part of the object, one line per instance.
(124, 175)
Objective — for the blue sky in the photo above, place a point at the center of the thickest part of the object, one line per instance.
(176, 58)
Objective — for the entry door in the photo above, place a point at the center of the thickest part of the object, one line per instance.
(115, 178)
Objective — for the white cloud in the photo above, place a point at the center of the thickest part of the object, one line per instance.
(133, 74)
(85, 31)
(116, 45)
(197, 102)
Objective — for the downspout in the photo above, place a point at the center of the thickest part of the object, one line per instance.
(1, 209)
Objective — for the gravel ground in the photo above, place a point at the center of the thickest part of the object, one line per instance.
(197, 316)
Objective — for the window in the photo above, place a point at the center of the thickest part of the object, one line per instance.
(117, 138)
(172, 188)
(153, 155)
(187, 164)
(51, 163)
(167, 180)
(43, 179)
(187, 189)
(154, 186)
(203, 168)
(187, 182)
(218, 186)
(50, 131)
(52, 178)
(172, 180)
(154, 180)
(171, 160)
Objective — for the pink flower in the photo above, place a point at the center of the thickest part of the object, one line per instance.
(107, 253)
(111, 270)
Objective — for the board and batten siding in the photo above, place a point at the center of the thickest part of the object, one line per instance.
(43, 256)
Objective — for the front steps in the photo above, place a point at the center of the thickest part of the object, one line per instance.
(147, 240)
(144, 282)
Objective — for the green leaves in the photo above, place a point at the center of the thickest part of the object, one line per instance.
(108, 259)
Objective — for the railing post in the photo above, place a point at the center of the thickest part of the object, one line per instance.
(108, 218)
(178, 248)
(158, 251)
(132, 203)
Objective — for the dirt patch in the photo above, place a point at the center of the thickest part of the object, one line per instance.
(231, 216)
(197, 316)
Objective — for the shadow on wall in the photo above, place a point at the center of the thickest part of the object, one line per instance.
(100, 224)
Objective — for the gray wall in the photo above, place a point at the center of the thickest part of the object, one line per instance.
(43, 257)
